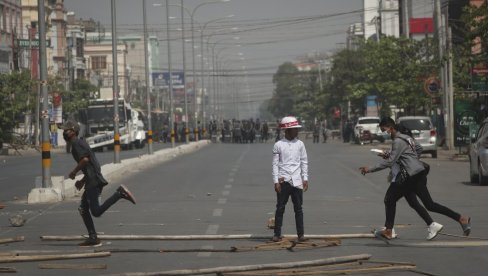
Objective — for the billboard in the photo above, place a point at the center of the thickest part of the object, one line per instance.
(161, 79)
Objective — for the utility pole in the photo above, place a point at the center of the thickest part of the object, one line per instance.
(46, 143)
(148, 97)
(170, 71)
(187, 136)
(115, 85)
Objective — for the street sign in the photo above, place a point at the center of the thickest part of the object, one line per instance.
(479, 79)
(34, 43)
(431, 86)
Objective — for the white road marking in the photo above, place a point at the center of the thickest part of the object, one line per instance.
(230, 180)
(222, 201)
(217, 212)
(228, 186)
(212, 229)
(225, 193)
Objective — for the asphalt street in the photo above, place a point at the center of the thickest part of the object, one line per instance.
(228, 189)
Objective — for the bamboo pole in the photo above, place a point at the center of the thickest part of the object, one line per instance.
(201, 237)
(35, 258)
(223, 269)
(8, 270)
(323, 271)
(72, 266)
(14, 239)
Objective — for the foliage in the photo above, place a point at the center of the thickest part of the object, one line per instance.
(16, 98)
(77, 98)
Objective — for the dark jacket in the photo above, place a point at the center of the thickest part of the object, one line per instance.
(92, 171)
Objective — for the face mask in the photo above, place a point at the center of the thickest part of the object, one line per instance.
(66, 136)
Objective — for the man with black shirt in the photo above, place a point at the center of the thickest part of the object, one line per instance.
(93, 181)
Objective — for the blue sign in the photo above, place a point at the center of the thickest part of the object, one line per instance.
(161, 79)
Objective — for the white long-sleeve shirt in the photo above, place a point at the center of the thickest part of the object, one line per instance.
(290, 162)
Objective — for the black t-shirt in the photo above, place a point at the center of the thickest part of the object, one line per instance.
(92, 171)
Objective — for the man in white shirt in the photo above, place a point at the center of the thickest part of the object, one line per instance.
(290, 175)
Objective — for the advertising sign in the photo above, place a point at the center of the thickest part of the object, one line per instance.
(161, 79)
(464, 116)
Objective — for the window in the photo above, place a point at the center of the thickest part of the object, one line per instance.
(79, 47)
(99, 62)
(2, 19)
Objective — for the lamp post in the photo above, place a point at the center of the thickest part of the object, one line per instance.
(202, 29)
(170, 84)
(115, 86)
(214, 69)
(146, 70)
(195, 90)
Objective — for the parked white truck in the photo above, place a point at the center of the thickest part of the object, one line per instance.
(99, 125)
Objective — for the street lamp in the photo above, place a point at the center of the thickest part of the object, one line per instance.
(192, 16)
(202, 29)
(214, 67)
(146, 71)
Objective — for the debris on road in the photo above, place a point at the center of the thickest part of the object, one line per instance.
(17, 220)
(72, 266)
(15, 239)
(35, 258)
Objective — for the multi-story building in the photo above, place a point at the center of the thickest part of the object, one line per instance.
(75, 42)
(10, 31)
(98, 57)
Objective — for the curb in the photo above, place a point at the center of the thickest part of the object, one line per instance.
(65, 188)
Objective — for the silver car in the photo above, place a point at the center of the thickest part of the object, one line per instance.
(478, 155)
(423, 131)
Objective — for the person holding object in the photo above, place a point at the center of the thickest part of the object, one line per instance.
(290, 175)
(93, 182)
(400, 155)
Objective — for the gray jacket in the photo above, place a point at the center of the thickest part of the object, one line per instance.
(402, 152)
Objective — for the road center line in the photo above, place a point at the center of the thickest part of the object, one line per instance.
(217, 212)
(225, 193)
(230, 180)
(212, 229)
(228, 186)
(222, 201)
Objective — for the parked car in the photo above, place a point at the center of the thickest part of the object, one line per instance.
(423, 131)
(367, 129)
(478, 155)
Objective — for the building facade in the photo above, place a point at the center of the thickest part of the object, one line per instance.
(10, 31)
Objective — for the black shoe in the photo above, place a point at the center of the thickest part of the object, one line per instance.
(91, 242)
(302, 239)
(126, 194)
(276, 239)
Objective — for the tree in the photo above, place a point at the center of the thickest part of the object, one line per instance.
(16, 98)
(78, 97)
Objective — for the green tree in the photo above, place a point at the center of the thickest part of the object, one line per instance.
(77, 98)
(286, 90)
(16, 98)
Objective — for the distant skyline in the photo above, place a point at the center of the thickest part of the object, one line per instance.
(270, 32)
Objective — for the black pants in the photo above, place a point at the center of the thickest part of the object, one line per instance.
(90, 203)
(315, 138)
(397, 191)
(420, 189)
(296, 194)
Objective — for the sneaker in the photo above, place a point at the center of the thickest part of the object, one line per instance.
(433, 229)
(394, 235)
(466, 227)
(382, 235)
(91, 242)
(126, 194)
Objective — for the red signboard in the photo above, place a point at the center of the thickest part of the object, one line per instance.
(480, 71)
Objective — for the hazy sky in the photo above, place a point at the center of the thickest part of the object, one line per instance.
(270, 31)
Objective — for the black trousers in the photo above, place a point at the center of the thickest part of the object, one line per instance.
(395, 192)
(420, 189)
(90, 203)
(296, 194)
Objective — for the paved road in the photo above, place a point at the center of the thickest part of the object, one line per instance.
(18, 173)
(227, 189)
